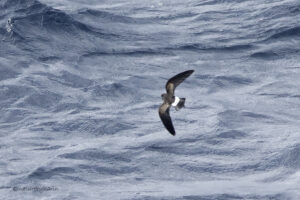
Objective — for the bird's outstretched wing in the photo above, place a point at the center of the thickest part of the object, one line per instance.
(165, 117)
(176, 80)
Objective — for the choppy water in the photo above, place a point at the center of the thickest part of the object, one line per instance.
(80, 84)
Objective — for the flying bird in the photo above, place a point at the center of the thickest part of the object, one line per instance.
(170, 99)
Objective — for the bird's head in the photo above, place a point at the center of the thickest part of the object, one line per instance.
(163, 96)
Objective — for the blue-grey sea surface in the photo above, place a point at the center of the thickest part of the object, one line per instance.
(80, 85)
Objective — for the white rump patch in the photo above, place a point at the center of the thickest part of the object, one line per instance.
(177, 99)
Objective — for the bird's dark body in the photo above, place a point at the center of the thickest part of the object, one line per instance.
(170, 100)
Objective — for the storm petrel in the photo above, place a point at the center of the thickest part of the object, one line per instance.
(171, 100)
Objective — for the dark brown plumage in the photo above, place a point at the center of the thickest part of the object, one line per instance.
(169, 99)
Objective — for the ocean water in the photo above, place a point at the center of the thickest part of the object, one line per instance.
(80, 86)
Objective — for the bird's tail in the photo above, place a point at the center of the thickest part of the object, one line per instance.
(180, 104)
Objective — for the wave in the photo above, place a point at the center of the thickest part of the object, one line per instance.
(196, 47)
(95, 126)
(287, 33)
(217, 83)
(192, 150)
(50, 33)
(233, 134)
(53, 21)
(68, 79)
(103, 15)
(265, 55)
(114, 90)
(12, 93)
(224, 196)
(14, 115)
(166, 51)
(43, 173)
(7, 73)
(128, 52)
(96, 154)
(289, 158)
